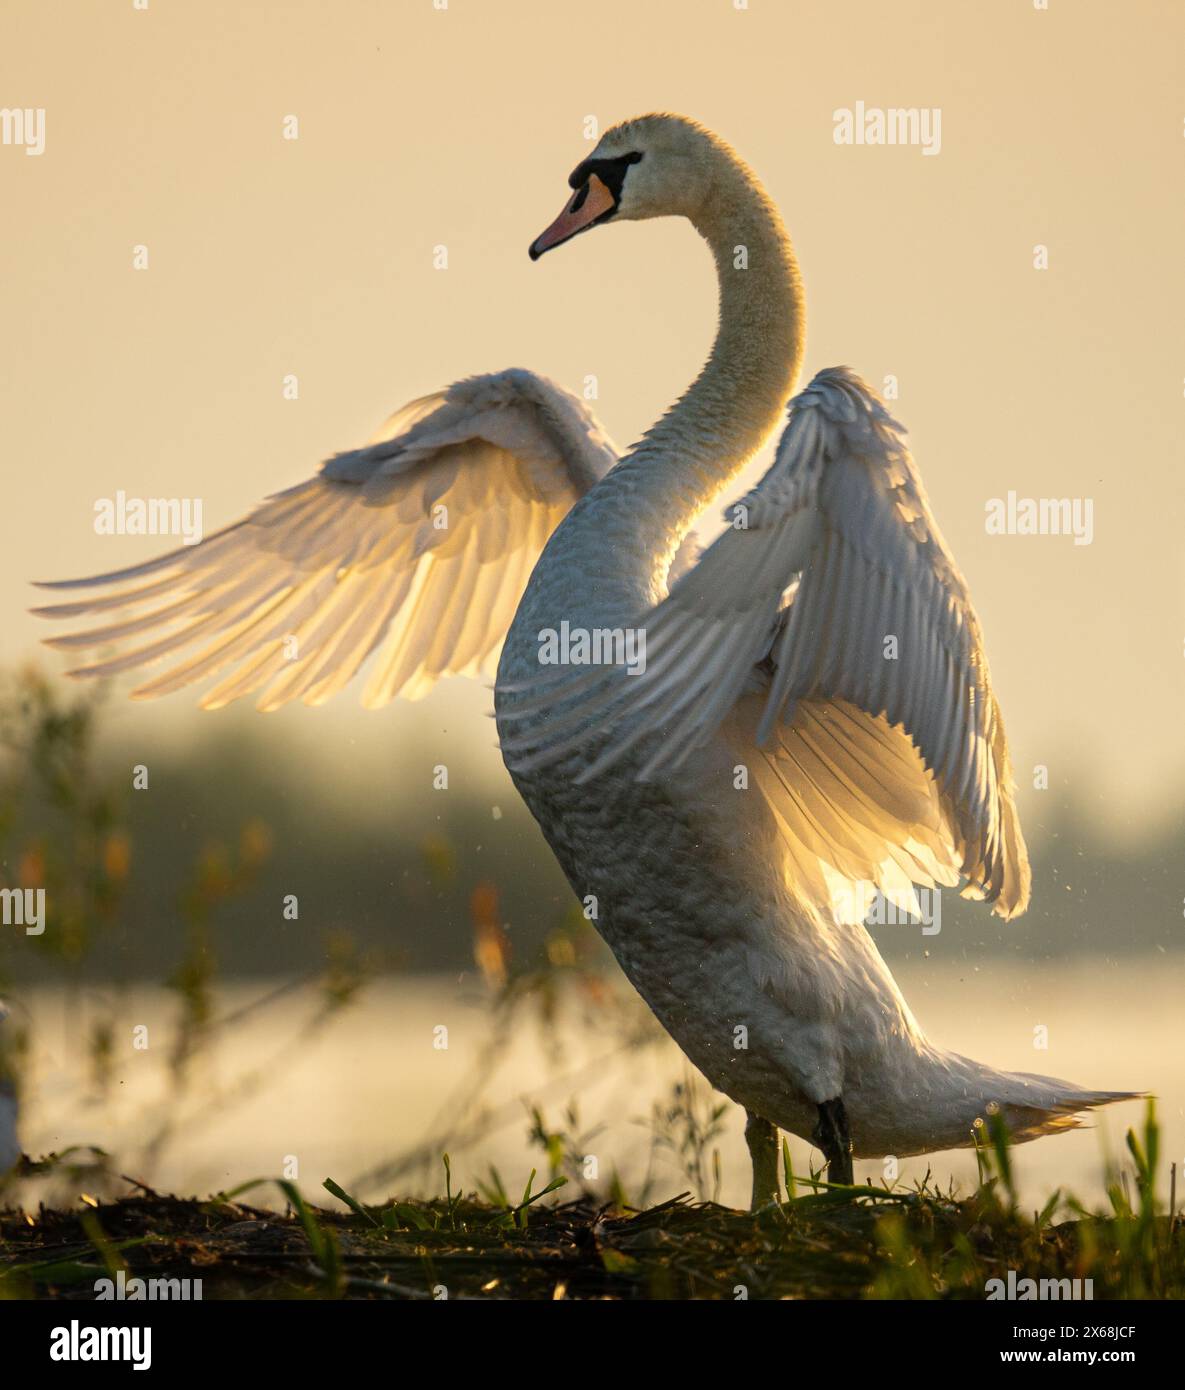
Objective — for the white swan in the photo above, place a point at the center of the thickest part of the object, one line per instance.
(725, 807)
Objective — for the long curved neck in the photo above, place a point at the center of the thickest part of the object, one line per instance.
(738, 399)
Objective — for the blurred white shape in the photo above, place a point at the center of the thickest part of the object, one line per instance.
(10, 1149)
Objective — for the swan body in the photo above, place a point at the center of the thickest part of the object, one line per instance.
(814, 720)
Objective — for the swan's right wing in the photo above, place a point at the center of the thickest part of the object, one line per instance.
(415, 549)
(832, 632)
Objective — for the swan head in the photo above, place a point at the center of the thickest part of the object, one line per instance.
(652, 166)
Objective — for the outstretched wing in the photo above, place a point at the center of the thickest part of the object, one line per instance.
(417, 547)
(829, 626)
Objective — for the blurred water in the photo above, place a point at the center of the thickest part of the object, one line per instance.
(373, 1082)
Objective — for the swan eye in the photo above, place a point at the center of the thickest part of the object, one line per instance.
(611, 172)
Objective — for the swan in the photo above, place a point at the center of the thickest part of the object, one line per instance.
(809, 719)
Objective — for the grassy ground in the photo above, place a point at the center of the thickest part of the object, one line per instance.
(840, 1243)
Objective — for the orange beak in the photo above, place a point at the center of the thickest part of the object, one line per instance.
(590, 201)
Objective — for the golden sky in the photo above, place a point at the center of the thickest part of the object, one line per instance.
(419, 127)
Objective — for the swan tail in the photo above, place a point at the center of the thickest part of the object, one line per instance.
(1036, 1105)
(956, 1096)
(1031, 1105)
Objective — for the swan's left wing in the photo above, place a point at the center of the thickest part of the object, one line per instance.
(411, 552)
(830, 626)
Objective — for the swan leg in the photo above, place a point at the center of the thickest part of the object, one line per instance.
(831, 1135)
(762, 1139)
